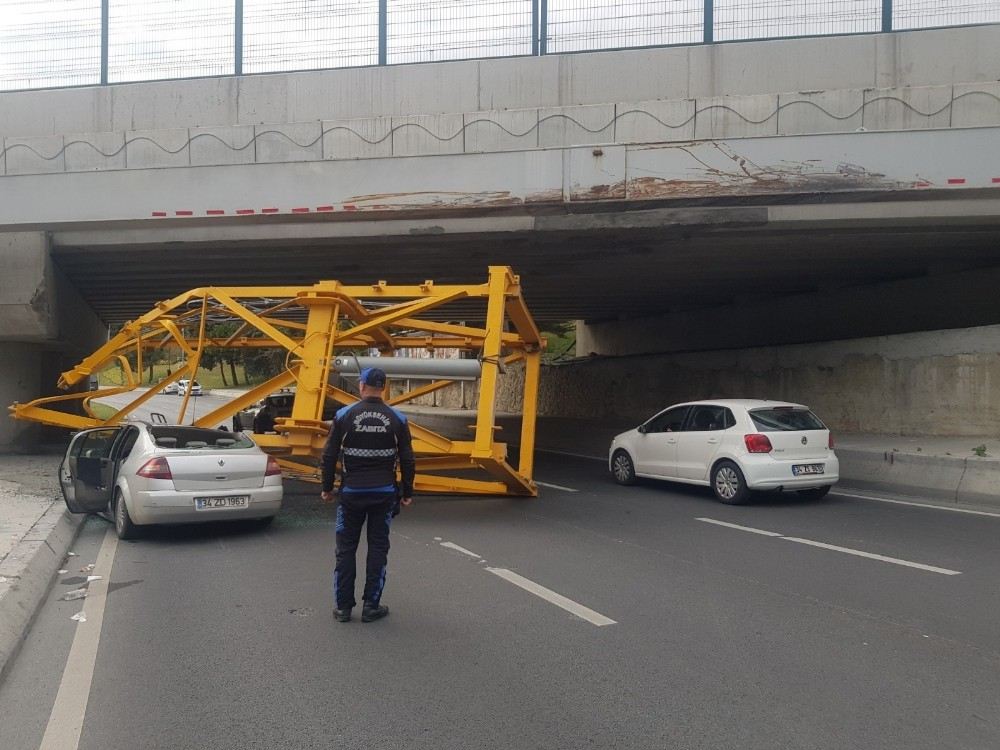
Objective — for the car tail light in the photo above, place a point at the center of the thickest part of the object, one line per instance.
(273, 467)
(757, 443)
(830, 444)
(155, 468)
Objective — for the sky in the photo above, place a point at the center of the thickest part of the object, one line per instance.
(57, 42)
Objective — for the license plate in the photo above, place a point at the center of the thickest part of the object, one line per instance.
(229, 502)
(802, 469)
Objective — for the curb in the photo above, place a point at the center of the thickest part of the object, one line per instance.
(29, 570)
(960, 480)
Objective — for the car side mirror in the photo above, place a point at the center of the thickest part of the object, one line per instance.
(643, 429)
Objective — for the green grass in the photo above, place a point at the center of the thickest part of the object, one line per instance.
(102, 411)
(207, 378)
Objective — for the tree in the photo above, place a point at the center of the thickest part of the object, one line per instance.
(151, 357)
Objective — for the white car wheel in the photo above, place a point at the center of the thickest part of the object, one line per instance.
(729, 485)
(622, 468)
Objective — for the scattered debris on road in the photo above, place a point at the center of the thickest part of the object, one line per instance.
(74, 595)
(79, 617)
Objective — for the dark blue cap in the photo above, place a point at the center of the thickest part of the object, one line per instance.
(373, 377)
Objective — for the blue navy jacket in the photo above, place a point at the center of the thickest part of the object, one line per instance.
(369, 437)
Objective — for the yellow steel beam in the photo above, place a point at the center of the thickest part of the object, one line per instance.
(485, 417)
(529, 413)
(423, 390)
(228, 410)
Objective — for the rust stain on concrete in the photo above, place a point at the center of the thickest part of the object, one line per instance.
(743, 176)
(554, 195)
(435, 199)
(598, 192)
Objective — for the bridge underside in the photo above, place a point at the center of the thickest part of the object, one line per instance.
(624, 261)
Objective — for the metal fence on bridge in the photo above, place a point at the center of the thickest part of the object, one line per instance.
(46, 43)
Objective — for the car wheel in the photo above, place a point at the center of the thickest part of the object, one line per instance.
(816, 493)
(622, 468)
(729, 484)
(123, 521)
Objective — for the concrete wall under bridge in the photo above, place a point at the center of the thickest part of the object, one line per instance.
(943, 383)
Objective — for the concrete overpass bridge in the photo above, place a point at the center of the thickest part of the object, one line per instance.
(747, 201)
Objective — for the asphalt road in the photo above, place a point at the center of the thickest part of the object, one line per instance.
(169, 405)
(723, 636)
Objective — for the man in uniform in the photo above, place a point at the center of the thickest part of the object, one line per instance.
(370, 437)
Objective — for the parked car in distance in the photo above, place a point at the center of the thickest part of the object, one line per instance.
(143, 474)
(169, 388)
(735, 446)
(183, 385)
(280, 405)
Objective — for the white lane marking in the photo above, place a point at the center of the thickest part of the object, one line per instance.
(70, 708)
(556, 487)
(835, 548)
(751, 529)
(463, 550)
(918, 505)
(873, 556)
(602, 459)
(584, 613)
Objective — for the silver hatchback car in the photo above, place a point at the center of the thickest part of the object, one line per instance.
(147, 474)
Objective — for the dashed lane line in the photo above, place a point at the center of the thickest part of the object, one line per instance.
(463, 550)
(837, 548)
(575, 608)
(556, 487)
(751, 529)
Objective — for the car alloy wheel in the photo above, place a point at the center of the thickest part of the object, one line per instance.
(622, 468)
(727, 484)
(123, 521)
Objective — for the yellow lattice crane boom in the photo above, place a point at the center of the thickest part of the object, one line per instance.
(313, 324)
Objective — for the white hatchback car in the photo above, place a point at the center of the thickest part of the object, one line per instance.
(148, 474)
(735, 446)
(182, 387)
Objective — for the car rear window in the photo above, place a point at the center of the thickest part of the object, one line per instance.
(191, 438)
(782, 419)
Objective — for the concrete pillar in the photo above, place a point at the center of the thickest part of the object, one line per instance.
(45, 328)
(27, 294)
(20, 380)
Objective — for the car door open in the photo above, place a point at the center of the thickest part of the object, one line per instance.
(86, 474)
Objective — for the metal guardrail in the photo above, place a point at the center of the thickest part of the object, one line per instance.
(86, 42)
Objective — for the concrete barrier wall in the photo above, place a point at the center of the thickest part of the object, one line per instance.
(933, 383)
(836, 85)
(619, 121)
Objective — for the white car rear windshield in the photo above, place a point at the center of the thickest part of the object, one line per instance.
(785, 419)
(191, 438)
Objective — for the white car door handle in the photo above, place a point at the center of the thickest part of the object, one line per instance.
(672, 441)
(713, 441)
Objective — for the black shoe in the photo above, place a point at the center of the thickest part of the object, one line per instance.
(373, 612)
(342, 615)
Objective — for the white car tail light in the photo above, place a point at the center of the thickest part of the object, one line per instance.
(155, 468)
(273, 467)
(830, 445)
(757, 443)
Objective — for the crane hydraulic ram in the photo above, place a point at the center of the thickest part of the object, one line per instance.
(319, 327)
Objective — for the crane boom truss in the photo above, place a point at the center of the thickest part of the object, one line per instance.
(312, 324)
